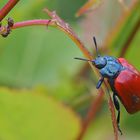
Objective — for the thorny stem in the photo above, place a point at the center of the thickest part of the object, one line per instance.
(113, 116)
(60, 24)
(96, 104)
(112, 110)
(7, 8)
(43, 22)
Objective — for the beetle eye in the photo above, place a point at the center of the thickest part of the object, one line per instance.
(100, 62)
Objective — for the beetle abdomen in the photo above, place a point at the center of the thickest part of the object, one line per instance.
(127, 85)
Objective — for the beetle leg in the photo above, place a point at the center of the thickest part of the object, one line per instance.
(100, 82)
(117, 106)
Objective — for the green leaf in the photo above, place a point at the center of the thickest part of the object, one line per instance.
(132, 54)
(28, 116)
(125, 30)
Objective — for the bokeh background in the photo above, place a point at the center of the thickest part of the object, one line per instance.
(44, 93)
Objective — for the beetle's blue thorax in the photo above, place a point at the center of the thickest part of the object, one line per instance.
(108, 66)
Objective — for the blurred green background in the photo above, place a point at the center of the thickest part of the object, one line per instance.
(43, 95)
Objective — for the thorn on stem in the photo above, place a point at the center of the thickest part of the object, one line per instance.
(48, 23)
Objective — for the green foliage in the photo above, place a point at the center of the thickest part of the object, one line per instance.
(132, 53)
(31, 116)
(126, 28)
(41, 59)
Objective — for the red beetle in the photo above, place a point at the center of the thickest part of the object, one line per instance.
(127, 85)
(123, 79)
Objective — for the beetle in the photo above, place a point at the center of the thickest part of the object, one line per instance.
(123, 78)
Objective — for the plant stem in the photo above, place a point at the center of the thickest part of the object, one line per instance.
(36, 22)
(32, 23)
(113, 116)
(7, 8)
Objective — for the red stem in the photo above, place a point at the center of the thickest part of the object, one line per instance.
(31, 23)
(7, 8)
(113, 116)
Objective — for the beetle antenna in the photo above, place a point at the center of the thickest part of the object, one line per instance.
(83, 59)
(94, 40)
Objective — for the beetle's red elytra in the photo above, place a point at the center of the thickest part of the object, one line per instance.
(127, 85)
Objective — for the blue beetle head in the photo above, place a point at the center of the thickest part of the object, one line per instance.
(99, 62)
